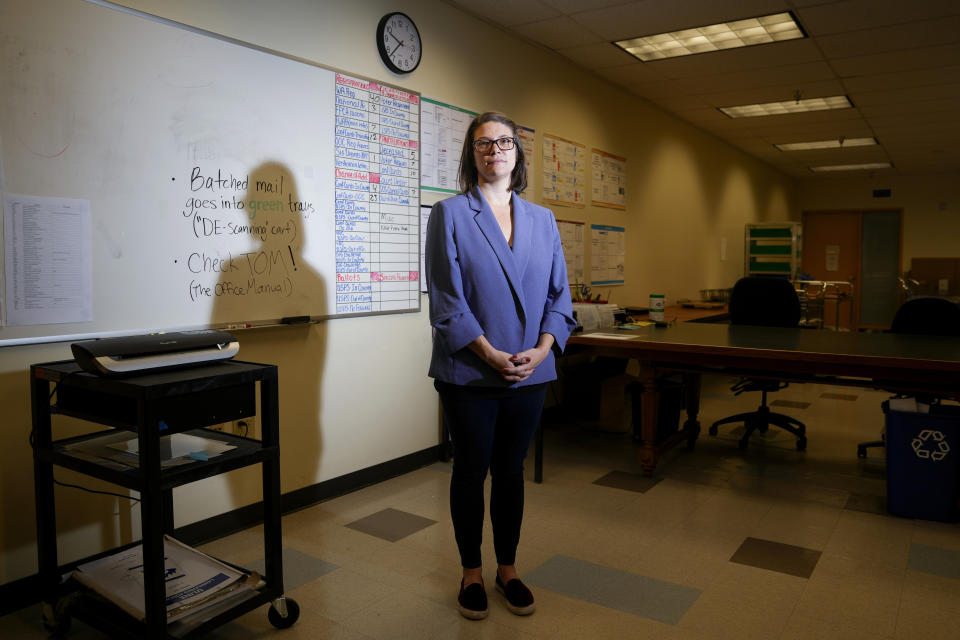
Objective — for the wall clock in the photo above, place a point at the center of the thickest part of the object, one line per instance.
(398, 42)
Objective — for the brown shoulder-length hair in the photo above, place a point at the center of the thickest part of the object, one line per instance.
(468, 165)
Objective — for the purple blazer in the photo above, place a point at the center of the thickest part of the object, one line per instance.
(478, 285)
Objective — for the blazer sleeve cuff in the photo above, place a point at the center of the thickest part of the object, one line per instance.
(458, 331)
(559, 326)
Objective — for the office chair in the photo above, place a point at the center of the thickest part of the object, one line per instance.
(768, 302)
(926, 316)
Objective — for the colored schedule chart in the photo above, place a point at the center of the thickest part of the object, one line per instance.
(377, 190)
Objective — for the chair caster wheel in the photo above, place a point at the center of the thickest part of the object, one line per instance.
(802, 443)
(281, 622)
(712, 430)
(861, 452)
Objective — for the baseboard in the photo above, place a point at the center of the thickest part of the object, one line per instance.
(26, 591)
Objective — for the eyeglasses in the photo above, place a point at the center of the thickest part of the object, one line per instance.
(483, 145)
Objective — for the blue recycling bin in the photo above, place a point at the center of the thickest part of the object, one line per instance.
(923, 463)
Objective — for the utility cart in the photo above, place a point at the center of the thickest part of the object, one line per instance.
(151, 406)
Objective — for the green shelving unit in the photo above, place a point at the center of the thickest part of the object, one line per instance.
(772, 248)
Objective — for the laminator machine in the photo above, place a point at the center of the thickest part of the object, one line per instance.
(130, 355)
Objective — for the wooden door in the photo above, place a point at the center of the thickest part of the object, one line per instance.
(831, 252)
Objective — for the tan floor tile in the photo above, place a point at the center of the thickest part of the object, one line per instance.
(857, 535)
(936, 534)
(403, 616)
(340, 594)
(600, 623)
(744, 603)
(853, 591)
(923, 590)
(803, 524)
(927, 623)
(801, 627)
(690, 558)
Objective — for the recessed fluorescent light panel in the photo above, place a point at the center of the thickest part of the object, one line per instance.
(787, 106)
(852, 167)
(714, 37)
(839, 143)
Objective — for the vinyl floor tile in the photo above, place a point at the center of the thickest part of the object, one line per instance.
(628, 481)
(850, 397)
(939, 562)
(632, 593)
(298, 568)
(391, 524)
(776, 556)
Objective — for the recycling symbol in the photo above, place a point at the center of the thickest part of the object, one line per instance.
(930, 444)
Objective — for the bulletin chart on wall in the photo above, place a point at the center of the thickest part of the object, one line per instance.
(609, 180)
(377, 241)
(607, 254)
(443, 127)
(564, 172)
(571, 237)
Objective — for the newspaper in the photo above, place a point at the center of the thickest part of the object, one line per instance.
(193, 579)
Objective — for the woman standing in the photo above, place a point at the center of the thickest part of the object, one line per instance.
(500, 310)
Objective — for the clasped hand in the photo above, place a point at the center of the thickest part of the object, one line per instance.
(517, 367)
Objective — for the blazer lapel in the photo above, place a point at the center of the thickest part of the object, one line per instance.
(488, 225)
(522, 234)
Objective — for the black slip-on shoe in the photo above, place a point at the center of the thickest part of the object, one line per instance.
(518, 596)
(472, 601)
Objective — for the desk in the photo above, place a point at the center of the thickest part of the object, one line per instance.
(902, 362)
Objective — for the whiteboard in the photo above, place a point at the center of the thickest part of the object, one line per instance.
(228, 185)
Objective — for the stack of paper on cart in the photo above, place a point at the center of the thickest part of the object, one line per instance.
(194, 581)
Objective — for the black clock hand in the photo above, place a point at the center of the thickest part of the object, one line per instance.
(400, 44)
(390, 33)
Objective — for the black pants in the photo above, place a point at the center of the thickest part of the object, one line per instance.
(490, 429)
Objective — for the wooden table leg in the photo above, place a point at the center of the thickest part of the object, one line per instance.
(648, 418)
(692, 403)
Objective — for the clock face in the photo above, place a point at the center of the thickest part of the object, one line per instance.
(398, 42)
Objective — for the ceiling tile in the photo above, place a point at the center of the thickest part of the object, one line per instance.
(557, 33)
(765, 56)
(648, 18)
(508, 12)
(599, 56)
(915, 94)
(631, 74)
(895, 38)
(854, 15)
(893, 61)
(575, 6)
(735, 97)
(901, 79)
(759, 78)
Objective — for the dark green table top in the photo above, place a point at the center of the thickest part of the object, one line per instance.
(784, 349)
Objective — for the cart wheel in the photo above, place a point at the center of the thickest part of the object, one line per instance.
(56, 620)
(58, 627)
(278, 621)
(712, 430)
(802, 443)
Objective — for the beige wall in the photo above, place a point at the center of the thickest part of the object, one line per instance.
(930, 205)
(687, 193)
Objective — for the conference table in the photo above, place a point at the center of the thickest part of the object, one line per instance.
(895, 362)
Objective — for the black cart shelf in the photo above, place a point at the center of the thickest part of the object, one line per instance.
(151, 406)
